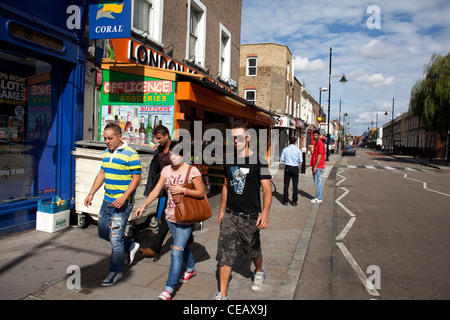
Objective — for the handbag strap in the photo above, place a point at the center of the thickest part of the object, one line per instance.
(187, 176)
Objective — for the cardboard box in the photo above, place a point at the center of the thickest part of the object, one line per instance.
(52, 222)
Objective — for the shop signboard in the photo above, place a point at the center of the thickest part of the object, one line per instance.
(285, 122)
(129, 98)
(131, 51)
(109, 19)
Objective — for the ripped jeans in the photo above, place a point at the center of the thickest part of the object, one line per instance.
(111, 227)
(180, 234)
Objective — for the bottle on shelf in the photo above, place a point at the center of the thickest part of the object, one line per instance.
(142, 131)
(128, 123)
(149, 131)
(122, 125)
(109, 118)
(126, 135)
(155, 123)
(136, 136)
(135, 121)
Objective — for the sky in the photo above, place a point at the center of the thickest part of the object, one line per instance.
(381, 46)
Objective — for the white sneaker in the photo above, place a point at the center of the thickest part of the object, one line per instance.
(129, 257)
(315, 200)
(258, 280)
(133, 251)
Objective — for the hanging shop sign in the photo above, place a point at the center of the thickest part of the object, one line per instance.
(108, 20)
(285, 122)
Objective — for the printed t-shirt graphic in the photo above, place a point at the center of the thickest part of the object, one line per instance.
(239, 176)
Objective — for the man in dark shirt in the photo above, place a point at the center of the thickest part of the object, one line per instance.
(159, 161)
(240, 215)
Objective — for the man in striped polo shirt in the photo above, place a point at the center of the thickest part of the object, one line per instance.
(121, 173)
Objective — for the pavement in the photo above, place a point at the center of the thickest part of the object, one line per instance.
(36, 265)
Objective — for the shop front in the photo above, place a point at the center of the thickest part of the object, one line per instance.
(146, 87)
(41, 89)
(144, 97)
(286, 127)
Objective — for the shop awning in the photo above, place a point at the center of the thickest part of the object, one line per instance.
(222, 103)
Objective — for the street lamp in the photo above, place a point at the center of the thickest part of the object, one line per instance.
(320, 98)
(343, 80)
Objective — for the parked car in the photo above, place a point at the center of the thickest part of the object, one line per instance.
(349, 150)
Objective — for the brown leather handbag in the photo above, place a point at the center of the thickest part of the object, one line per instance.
(191, 210)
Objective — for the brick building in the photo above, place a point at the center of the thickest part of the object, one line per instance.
(266, 78)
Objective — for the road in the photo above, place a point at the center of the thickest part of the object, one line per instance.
(382, 232)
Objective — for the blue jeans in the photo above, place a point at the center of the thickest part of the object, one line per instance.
(180, 234)
(318, 183)
(111, 227)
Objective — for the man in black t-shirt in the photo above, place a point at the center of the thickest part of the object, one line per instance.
(240, 214)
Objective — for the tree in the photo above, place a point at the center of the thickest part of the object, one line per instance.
(430, 97)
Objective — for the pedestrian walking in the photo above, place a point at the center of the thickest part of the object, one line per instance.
(172, 178)
(318, 165)
(240, 215)
(159, 161)
(292, 157)
(121, 173)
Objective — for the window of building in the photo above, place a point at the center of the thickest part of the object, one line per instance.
(196, 39)
(225, 53)
(28, 130)
(250, 96)
(287, 72)
(252, 64)
(147, 18)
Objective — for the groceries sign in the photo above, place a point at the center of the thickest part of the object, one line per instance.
(109, 19)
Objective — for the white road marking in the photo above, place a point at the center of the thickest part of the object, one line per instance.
(362, 276)
(424, 184)
(360, 273)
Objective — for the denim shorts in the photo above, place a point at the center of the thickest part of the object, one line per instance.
(234, 230)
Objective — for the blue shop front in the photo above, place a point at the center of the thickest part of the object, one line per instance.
(42, 66)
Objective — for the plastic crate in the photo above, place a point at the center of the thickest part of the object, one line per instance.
(52, 206)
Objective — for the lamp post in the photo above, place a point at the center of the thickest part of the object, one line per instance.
(392, 127)
(343, 80)
(320, 98)
(339, 128)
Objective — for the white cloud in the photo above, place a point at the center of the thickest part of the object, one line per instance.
(377, 79)
(378, 64)
(304, 65)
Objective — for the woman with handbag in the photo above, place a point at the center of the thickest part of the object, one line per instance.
(173, 178)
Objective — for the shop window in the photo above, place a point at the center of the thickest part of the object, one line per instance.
(28, 130)
(197, 32)
(252, 66)
(147, 18)
(250, 96)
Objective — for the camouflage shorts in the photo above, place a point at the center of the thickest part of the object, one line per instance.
(234, 230)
